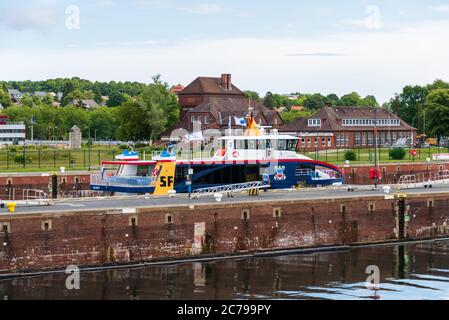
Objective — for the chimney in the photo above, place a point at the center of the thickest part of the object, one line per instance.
(226, 81)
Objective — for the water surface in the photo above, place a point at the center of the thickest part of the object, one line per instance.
(417, 271)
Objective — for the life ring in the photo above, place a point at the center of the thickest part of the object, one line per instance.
(235, 154)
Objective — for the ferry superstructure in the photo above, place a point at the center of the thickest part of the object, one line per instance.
(253, 156)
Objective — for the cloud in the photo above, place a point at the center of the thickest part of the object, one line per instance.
(104, 3)
(379, 63)
(29, 18)
(317, 54)
(371, 21)
(443, 8)
(205, 8)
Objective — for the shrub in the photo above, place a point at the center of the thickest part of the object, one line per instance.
(397, 154)
(22, 160)
(350, 155)
(13, 149)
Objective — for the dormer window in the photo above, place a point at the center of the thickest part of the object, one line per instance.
(314, 122)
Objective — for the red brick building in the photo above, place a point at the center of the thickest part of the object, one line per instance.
(213, 101)
(350, 127)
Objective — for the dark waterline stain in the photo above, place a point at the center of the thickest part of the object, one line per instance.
(418, 271)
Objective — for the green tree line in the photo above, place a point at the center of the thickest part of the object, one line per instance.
(140, 118)
(424, 107)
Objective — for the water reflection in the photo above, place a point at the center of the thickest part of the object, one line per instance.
(419, 271)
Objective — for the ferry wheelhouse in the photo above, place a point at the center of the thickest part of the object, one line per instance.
(253, 156)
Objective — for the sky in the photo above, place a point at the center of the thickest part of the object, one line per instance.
(284, 46)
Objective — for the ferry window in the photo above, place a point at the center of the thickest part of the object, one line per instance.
(292, 145)
(269, 144)
(261, 144)
(144, 171)
(240, 144)
(282, 145)
(252, 144)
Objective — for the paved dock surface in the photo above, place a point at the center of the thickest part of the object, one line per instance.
(121, 202)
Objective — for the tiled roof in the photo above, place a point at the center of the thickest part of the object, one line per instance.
(210, 85)
(331, 119)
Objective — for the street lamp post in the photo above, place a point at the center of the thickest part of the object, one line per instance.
(375, 149)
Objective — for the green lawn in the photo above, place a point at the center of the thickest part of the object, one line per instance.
(366, 156)
(53, 159)
(85, 159)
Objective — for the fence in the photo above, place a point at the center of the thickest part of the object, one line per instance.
(45, 159)
(366, 155)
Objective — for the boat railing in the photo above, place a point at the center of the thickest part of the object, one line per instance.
(101, 180)
(186, 156)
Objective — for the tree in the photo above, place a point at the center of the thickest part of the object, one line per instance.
(270, 101)
(315, 102)
(333, 99)
(78, 95)
(369, 101)
(438, 84)
(116, 99)
(102, 123)
(409, 105)
(5, 99)
(27, 101)
(252, 95)
(437, 112)
(154, 110)
(290, 116)
(350, 100)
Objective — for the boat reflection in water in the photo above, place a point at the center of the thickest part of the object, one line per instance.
(418, 271)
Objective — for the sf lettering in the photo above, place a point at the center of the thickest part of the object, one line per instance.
(167, 182)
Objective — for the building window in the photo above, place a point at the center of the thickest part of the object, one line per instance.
(314, 122)
(370, 138)
(303, 142)
(337, 140)
(206, 120)
(309, 142)
(192, 119)
(357, 138)
(323, 142)
(329, 142)
(382, 138)
(364, 138)
(200, 119)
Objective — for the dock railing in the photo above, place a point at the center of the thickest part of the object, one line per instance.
(424, 179)
(100, 180)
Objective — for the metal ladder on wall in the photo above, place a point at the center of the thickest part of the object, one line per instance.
(230, 189)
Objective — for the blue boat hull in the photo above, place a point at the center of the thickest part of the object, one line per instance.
(285, 177)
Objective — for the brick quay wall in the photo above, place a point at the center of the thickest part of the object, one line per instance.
(70, 181)
(38, 242)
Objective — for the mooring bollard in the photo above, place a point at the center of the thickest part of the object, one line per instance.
(11, 206)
